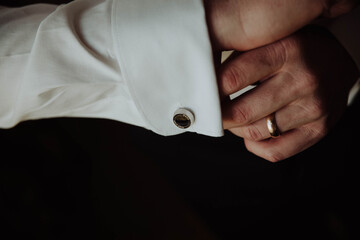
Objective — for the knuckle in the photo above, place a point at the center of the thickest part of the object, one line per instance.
(232, 79)
(240, 116)
(289, 46)
(315, 109)
(315, 131)
(303, 81)
(276, 54)
(274, 156)
(309, 82)
(270, 155)
(253, 133)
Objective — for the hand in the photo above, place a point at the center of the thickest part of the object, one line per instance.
(304, 79)
(246, 24)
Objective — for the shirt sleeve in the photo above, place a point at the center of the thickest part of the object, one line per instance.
(134, 61)
(347, 31)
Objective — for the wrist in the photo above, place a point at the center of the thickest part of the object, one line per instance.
(244, 25)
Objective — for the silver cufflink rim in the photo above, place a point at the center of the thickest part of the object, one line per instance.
(186, 114)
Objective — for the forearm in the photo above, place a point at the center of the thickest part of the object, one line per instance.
(245, 25)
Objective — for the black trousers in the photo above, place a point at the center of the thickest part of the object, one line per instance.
(100, 179)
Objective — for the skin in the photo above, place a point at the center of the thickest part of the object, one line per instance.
(247, 24)
(305, 79)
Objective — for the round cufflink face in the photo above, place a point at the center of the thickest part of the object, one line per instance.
(183, 118)
(182, 121)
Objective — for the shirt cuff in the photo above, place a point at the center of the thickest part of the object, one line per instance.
(346, 30)
(165, 57)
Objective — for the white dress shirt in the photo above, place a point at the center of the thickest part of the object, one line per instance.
(134, 61)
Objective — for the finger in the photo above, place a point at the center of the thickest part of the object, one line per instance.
(289, 117)
(290, 143)
(268, 97)
(241, 70)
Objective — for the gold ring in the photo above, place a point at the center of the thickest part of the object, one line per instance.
(272, 126)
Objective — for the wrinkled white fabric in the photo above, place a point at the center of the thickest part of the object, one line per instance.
(134, 61)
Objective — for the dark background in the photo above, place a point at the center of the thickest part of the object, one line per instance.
(70, 178)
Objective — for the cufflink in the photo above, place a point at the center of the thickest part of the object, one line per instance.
(183, 118)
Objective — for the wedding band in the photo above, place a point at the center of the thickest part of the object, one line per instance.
(272, 126)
